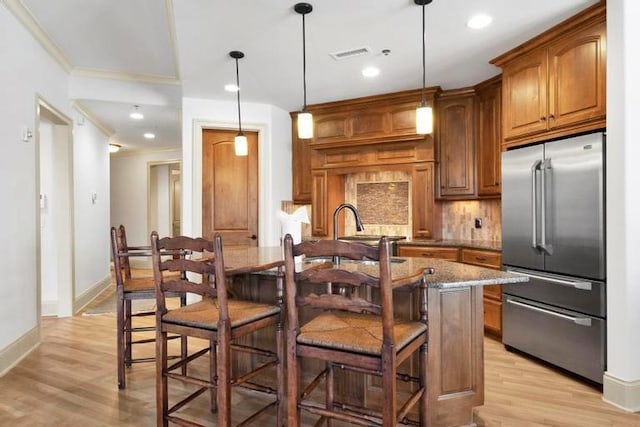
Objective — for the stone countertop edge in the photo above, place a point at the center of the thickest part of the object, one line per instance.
(492, 245)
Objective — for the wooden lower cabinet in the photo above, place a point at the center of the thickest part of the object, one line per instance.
(492, 295)
(492, 298)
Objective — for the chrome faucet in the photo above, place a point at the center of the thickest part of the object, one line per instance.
(359, 226)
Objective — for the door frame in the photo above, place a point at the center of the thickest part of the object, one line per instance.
(264, 187)
(65, 223)
(150, 164)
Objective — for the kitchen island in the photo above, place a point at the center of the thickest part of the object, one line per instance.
(455, 315)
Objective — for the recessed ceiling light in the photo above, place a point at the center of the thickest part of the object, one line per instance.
(231, 87)
(114, 148)
(479, 21)
(136, 114)
(370, 72)
(149, 135)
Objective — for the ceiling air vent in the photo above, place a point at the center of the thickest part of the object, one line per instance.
(344, 54)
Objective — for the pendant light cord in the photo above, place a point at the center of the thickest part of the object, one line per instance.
(238, 84)
(304, 64)
(424, 35)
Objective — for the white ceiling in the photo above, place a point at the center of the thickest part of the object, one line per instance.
(158, 44)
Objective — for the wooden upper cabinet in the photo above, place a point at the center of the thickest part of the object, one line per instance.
(300, 166)
(489, 140)
(577, 69)
(456, 136)
(525, 95)
(555, 84)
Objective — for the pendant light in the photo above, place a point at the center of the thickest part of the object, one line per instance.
(240, 142)
(424, 113)
(305, 119)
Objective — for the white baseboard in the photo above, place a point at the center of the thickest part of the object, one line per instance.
(18, 350)
(49, 308)
(90, 294)
(621, 393)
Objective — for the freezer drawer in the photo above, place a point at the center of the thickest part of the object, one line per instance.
(570, 340)
(581, 295)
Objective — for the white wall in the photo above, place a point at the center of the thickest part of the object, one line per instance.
(26, 70)
(274, 152)
(32, 71)
(90, 175)
(622, 379)
(129, 187)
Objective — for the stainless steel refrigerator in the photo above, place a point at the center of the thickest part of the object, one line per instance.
(553, 230)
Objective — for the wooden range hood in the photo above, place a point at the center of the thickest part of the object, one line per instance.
(375, 133)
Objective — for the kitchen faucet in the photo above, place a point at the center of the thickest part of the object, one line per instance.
(359, 226)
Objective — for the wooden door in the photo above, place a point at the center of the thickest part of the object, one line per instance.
(456, 146)
(229, 188)
(524, 95)
(577, 67)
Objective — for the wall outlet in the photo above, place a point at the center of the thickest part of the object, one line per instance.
(478, 222)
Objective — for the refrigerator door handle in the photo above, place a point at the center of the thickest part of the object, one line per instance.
(534, 204)
(578, 284)
(544, 165)
(582, 321)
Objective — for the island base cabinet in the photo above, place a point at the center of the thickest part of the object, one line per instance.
(456, 361)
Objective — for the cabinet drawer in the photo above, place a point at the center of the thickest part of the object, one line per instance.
(450, 254)
(482, 258)
(492, 291)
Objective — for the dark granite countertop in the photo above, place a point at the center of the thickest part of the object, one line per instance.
(265, 260)
(493, 245)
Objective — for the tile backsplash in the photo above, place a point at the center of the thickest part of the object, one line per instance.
(458, 220)
(383, 199)
(384, 202)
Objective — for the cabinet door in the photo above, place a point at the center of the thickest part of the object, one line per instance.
(489, 140)
(524, 95)
(456, 146)
(300, 167)
(426, 223)
(577, 67)
(319, 225)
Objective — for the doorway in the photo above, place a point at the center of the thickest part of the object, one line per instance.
(54, 235)
(229, 188)
(164, 200)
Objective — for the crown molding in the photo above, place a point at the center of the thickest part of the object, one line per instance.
(172, 34)
(133, 153)
(93, 119)
(24, 15)
(118, 75)
(27, 19)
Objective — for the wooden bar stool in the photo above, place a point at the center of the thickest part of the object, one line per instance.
(353, 328)
(129, 288)
(220, 320)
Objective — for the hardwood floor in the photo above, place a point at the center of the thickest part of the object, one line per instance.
(70, 380)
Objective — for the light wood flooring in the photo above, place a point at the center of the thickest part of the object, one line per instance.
(70, 380)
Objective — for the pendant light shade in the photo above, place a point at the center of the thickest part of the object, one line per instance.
(240, 141)
(424, 113)
(305, 119)
(240, 145)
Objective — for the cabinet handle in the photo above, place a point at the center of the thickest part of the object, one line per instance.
(543, 118)
(552, 117)
(426, 254)
(480, 258)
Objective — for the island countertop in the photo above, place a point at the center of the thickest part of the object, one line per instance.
(446, 274)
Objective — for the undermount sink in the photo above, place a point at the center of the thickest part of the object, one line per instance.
(317, 260)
